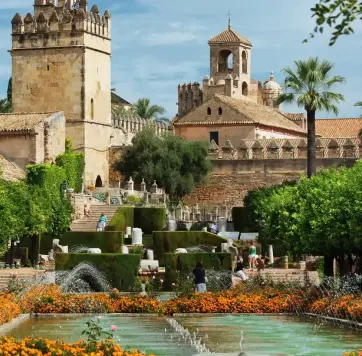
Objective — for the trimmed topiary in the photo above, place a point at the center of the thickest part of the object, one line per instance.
(121, 271)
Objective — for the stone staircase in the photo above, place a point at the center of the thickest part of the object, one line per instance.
(24, 274)
(285, 275)
(89, 223)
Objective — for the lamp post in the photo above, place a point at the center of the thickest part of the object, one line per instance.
(63, 188)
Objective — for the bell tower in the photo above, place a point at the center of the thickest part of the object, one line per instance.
(61, 61)
(230, 53)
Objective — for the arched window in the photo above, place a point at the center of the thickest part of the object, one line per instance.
(244, 61)
(208, 111)
(244, 88)
(219, 111)
(225, 61)
(92, 109)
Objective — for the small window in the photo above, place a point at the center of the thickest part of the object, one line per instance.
(208, 111)
(92, 109)
(219, 111)
(48, 67)
(214, 136)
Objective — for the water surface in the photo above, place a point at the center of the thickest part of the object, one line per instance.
(263, 335)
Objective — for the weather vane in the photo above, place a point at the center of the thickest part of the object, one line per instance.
(229, 22)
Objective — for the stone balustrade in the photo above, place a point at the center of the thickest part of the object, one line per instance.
(204, 213)
(286, 148)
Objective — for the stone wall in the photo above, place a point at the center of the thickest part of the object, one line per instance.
(230, 180)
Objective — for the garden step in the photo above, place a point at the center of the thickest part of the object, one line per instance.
(89, 223)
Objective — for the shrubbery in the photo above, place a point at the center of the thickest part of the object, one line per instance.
(37, 206)
(318, 216)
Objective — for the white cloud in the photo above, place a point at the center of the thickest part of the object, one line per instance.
(158, 44)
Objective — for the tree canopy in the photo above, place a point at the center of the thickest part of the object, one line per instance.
(174, 164)
(339, 15)
(310, 86)
(318, 216)
(145, 110)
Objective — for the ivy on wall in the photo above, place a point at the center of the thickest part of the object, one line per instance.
(73, 163)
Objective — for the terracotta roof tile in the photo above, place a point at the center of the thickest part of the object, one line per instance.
(247, 112)
(229, 35)
(21, 121)
(343, 128)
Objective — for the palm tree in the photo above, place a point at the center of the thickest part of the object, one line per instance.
(359, 103)
(5, 106)
(145, 110)
(309, 86)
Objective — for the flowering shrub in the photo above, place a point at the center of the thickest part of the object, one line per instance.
(39, 347)
(343, 307)
(353, 353)
(266, 301)
(9, 309)
(50, 299)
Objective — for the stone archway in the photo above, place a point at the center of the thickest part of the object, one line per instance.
(99, 183)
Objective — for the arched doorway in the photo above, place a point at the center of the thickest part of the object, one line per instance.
(244, 88)
(99, 183)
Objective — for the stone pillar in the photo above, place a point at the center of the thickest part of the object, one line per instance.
(143, 186)
(130, 185)
(154, 188)
(222, 224)
(271, 254)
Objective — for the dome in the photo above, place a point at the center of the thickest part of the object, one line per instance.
(271, 84)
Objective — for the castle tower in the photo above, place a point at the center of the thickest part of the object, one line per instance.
(61, 61)
(271, 92)
(230, 53)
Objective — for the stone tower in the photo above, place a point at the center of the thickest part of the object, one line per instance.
(61, 61)
(271, 92)
(230, 54)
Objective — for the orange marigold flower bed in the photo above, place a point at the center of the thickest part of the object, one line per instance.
(353, 353)
(9, 309)
(50, 299)
(39, 347)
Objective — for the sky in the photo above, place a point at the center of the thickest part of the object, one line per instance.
(158, 44)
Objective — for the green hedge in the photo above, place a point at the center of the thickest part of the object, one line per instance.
(121, 271)
(147, 241)
(121, 219)
(241, 220)
(186, 262)
(107, 241)
(150, 219)
(169, 241)
(73, 164)
(147, 219)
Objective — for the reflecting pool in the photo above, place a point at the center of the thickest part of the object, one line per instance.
(256, 335)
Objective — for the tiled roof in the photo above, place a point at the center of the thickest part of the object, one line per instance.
(246, 112)
(21, 121)
(229, 35)
(344, 127)
(294, 117)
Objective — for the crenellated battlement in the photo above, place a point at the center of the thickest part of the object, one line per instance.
(286, 149)
(190, 96)
(59, 25)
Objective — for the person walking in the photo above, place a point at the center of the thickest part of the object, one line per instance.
(252, 256)
(103, 218)
(200, 280)
(239, 270)
(100, 225)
